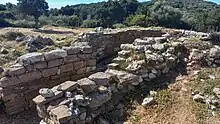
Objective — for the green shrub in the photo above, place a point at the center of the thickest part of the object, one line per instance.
(59, 22)
(139, 20)
(74, 21)
(119, 25)
(90, 24)
(24, 24)
(43, 20)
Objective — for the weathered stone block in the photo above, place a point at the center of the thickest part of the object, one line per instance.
(66, 68)
(15, 70)
(55, 63)
(86, 49)
(91, 62)
(55, 54)
(49, 72)
(9, 81)
(71, 58)
(99, 99)
(61, 114)
(40, 65)
(90, 69)
(101, 78)
(30, 76)
(78, 65)
(31, 58)
(85, 56)
(81, 71)
(72, 50)
(68, 86)
(87, 85)
(65, 74)
(40, 100)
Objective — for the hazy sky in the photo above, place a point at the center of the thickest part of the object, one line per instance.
(59, 3)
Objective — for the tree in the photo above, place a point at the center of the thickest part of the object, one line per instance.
(166, 15)
(74, 21)
(34, 8)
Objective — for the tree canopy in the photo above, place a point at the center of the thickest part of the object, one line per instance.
(34, 8)
(198, 15)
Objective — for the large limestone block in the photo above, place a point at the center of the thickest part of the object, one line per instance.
(30, 76)
(49, 72)
(31, 58)
(15, 70)
(60, 114)
(40, 65)
(9, 81)
(91, 62)
(66, 68)
(71, 58)
(85, 56)
(78, 65)
(54, 63)
(125, 78)
(68, 86)
(101, 78)
(87, 85)
(40, 100)
(55, 54)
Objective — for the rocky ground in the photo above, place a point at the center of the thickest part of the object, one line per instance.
(18, 41)
(175, 105)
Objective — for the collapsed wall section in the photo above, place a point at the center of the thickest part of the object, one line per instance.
(21, 82)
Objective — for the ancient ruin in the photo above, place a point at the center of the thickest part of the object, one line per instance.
(72, 85)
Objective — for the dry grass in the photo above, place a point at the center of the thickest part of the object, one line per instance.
(175, 104)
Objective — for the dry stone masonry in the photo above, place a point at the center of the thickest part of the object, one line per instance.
(21, 82)
(66, 96)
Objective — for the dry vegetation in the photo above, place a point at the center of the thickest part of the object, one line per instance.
(175, 105)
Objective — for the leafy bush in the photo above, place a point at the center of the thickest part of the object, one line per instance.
(119, 25)
(12, 35)
(139, 20)
(90, 24)
(59, 22)
(74, 21)
(43, 20)
(24, 24)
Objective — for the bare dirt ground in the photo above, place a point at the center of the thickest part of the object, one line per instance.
(27, 117)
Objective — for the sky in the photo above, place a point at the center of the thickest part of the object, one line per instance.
(59, 3)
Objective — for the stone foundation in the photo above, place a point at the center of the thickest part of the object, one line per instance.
(22, 81)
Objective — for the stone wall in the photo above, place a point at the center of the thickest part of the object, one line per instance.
(137, 64)
(21, 82)
(83, 101)
(107, 44)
